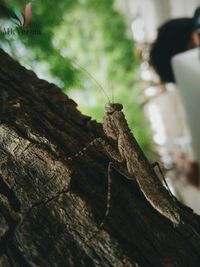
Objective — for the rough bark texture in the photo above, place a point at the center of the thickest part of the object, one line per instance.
(51, 205)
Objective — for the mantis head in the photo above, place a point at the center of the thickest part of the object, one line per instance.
(110, 108)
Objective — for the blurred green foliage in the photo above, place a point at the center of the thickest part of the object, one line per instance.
(82, 41)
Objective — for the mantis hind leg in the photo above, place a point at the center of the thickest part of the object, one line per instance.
(156, 164)
(121, 169)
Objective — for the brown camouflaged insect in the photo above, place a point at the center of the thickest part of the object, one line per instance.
(137, 165)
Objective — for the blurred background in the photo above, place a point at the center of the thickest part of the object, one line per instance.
(86, 45)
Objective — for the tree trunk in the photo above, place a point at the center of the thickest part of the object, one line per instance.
(52, 202)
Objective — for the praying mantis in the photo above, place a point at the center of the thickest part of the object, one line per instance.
(130, 161)
(137, 166)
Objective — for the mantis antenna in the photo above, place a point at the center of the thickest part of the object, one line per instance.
(112, 92)
(94, 80)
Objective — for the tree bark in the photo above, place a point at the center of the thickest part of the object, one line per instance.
(52, 202)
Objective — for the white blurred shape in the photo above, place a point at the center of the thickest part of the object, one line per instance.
(137, 27)
(157, 124)
(151, 91)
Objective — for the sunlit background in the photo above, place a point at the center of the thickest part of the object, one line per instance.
(99, 49)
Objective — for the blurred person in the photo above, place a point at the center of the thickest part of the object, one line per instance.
(174, 37)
